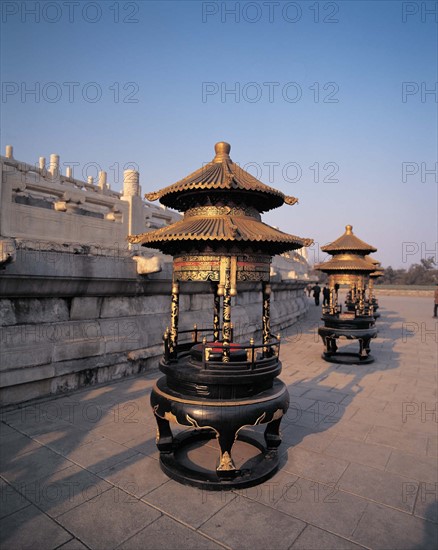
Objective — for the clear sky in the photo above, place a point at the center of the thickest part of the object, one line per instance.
(331, 103)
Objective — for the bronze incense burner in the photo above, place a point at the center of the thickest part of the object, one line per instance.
(213, 384)
(348, 266)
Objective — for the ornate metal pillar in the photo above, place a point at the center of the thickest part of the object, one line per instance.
(353, 291)
(266, 315)
(216, 314)
(333, 302)
(226, 313)
(174, 313)
(360, 295)
(370, 289)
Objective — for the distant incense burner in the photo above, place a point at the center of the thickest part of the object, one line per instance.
(348, 266)
(211, 383)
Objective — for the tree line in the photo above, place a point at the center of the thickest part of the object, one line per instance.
(424, 273)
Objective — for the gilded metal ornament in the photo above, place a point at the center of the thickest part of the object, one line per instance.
(266, 317)
(226, 313)
(210, 211)
(174, 314)
(216, 315)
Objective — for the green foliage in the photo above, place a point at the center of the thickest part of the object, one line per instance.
(424, 273)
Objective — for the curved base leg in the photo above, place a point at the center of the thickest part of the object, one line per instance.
(164, 435)
(272, 435)
(226, 468)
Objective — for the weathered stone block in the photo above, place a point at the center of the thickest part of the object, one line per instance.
(135, 305)
(85, 308)
(155, 304)
(113, 345)
(245, 298)
(128, 333)
(25, 392)
(146, 353)
(184, 302)
(204, 319)
(201, 301)
(24, 375)
(40, 310)
(7, 314)
(25, 356)
(77, 349)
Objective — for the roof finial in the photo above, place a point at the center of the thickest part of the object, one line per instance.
(349, 229)
(222, 150)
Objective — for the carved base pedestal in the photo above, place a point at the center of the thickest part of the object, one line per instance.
(225, 421)
(361, 329)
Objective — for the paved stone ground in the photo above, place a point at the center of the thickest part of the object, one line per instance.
(359, 459)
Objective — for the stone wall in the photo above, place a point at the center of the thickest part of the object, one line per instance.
(61, 330)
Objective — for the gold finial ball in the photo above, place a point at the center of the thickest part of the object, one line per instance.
(349, 228)
(222, 148)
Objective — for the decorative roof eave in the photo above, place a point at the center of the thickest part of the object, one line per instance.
(377, 273)
(347, 268)
(348, 264)
(290, 200)
(348, 242)
(220, 174)
(217, 229)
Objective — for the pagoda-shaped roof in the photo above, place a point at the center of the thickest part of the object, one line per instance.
(221, 175)
(347, 263)
(348, 242)
(222, 207)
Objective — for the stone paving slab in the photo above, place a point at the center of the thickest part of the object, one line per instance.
(10, 500)
(62, 490)
(358, 459)
(238, 522)
(109, 519)
(29, 528)
(139, 477)
(317, 539)
(180, 535)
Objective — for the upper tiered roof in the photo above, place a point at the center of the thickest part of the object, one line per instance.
(221, 175)
(348, 242)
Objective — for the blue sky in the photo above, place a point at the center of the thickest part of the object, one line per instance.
(150, 89)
